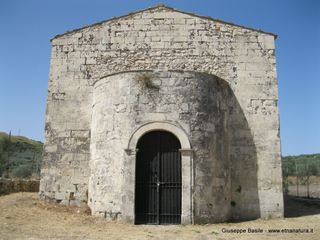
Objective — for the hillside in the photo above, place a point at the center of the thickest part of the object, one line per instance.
(301, 165)
(19, 156)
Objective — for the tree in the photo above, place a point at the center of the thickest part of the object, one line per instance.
(4, 154)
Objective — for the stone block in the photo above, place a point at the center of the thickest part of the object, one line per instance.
(65, 202)
(80, 133)
(267, 41)
(61, 195)
(76, 203)
(50, 148)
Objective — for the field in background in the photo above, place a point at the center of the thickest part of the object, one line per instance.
(301, 175)
(303, 187)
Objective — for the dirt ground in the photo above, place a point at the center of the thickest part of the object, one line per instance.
(24, 216)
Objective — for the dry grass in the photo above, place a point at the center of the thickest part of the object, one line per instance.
(24, 216)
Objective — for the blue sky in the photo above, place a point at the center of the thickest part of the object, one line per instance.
(27, 25)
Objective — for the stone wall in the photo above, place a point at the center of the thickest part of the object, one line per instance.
(18, 185)
(161, 38)
(196, 102)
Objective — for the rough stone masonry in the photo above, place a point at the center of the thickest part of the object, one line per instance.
(210, 83)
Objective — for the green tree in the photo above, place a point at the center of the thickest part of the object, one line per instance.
(4, 154)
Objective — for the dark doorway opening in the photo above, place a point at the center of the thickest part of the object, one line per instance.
(158, 179)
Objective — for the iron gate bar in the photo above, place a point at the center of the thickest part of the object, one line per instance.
(158, 179)
(158, 185)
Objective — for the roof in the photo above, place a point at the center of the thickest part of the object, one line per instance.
(162, 6)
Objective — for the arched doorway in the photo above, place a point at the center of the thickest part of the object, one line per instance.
(158, 179)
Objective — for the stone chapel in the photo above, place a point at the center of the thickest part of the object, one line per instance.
(164, 117)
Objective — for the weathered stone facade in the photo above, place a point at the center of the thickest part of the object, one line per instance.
(214, 86)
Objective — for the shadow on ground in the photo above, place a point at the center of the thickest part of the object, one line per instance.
(300, 206)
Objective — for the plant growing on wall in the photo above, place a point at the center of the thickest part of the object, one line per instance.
(145, 81)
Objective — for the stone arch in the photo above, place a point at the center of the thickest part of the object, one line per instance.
(164, 126)
(186, 151)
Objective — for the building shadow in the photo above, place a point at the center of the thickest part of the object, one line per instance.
(245, 204)
(300, 206)
(232, 148)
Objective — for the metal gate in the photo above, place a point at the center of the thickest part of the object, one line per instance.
(158, 179)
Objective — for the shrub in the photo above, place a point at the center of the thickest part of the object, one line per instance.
(22, 171)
